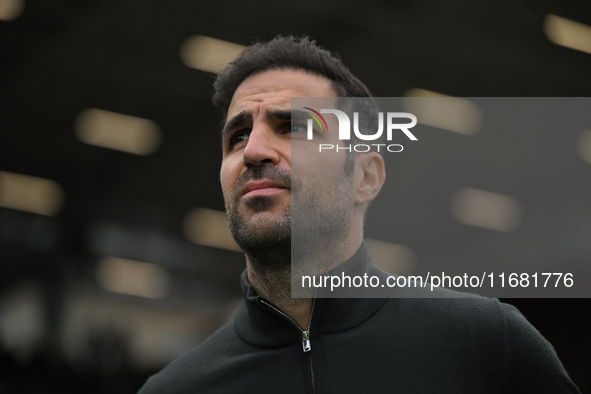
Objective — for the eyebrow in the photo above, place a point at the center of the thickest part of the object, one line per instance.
(244, 118)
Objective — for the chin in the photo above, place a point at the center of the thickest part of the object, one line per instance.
(263, 203)
(261, 229)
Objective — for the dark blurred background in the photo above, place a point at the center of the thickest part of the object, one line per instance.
(114, 254)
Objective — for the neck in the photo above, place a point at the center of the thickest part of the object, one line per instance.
(275, 286)
(274, 281)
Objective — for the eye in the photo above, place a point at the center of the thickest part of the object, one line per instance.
(297, 127)
(239, 137)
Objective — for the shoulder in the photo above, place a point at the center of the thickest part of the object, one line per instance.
(482, 318)
(444, 305)
(493, 338)
(191, 370)
(444, 317)
(530, 361)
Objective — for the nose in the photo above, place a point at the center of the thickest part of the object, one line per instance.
(262, 147)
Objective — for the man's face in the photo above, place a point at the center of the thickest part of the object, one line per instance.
(258, 181)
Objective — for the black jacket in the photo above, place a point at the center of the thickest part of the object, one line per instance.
(465, 344)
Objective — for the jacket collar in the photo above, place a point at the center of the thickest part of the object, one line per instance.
(258, 325)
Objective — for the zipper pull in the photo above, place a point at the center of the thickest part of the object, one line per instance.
(306, 341)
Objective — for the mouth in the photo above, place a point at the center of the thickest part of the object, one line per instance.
(262, 188)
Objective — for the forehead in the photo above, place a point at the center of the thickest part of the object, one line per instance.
(274, 89)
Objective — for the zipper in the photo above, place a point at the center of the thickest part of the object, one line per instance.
(306, 344)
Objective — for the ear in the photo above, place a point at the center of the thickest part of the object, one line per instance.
(370, 173)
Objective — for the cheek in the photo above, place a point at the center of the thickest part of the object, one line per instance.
(229, 172)
(331, 162)
(319, 169)
(224, 180)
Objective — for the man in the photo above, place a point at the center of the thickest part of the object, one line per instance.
(280, 344)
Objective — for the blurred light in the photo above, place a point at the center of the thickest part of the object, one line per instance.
(21, 318)
(568, 33)
(154, 333)
(117, 131)
(210, 228)
(485, 209)
(418, 92)
(392, 258)
(30, 194)
(584, 146)
(11, 9)
(132, 277)
(209, 54)
(442, 111)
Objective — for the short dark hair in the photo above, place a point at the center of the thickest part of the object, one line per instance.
(285, 53)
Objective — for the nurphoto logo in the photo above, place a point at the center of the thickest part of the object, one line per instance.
(344, 122)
